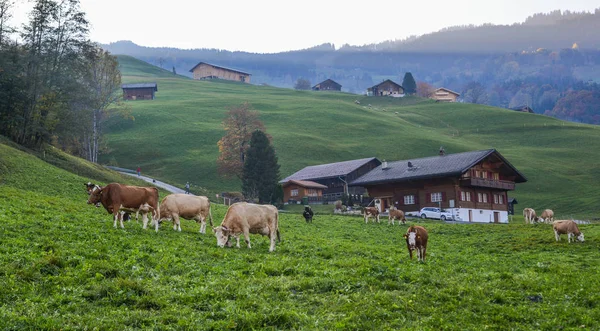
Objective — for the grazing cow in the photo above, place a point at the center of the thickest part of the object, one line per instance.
(371, 212)
(308, 214)
(547, 216)
(186, 206)
(245, 218)
(416, 239)
(567, 227)
(396, 214)
(116, 197)
(529, 215)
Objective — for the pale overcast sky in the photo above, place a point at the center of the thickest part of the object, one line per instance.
(268, 26)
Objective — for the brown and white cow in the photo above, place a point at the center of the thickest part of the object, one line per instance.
(567, 227)
(369, 212)
(187, 206)
(416, 239)
(245, 218)
(547, 216)
(396, 214)
(529, 215)
(116, 197)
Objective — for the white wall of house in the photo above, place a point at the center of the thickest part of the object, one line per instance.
(481, 215)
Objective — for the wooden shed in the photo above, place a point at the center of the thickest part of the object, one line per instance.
(139, 91)
(523, 108)
(445, 95)
(295, 190)
(327, 85)
(205, 70)
(386, 88)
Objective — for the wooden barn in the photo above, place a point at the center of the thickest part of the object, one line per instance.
(471, 185)
(205, 70)
(139, 91)
(445, 95)
(327, 85)
(386, 88)
(335, 177)
(296, 190)
(523, 108)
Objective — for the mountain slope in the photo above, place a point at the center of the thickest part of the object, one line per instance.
(175, 136)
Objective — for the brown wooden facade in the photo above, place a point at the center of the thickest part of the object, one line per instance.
(445, 95)
(386, 88)
(327, 85)
(296, 190)
(139, 91)
(209, 71)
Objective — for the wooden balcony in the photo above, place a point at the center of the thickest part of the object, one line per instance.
(481, 182)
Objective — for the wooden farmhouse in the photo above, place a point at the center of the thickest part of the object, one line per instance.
(386, 88)
(205, 70)
(327, 85)
(471, 185)
(445, 95)
(335, 177)
(139, 91)
(524, 109)
(296, 190)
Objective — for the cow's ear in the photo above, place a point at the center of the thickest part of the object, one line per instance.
(224, 228)
(405, 236)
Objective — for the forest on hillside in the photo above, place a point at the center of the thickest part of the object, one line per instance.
(543, 62)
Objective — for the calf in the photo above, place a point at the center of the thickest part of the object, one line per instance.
(547, 216)
(567, 227)
(308, 214)
(396, 214)
(529, 215)
(416, 239)
(371, 212)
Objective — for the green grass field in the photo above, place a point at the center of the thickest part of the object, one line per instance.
(63, 266)
(174, 137)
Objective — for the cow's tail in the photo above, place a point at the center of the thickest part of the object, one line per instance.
(210, 215)
(278, 235)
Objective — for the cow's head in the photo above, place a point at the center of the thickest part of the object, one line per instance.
(411, 239)
(222, 233)
(580, 237)
(95, 196)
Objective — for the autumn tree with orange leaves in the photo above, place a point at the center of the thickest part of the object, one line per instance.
(239, 123)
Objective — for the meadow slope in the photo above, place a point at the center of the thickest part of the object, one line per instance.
(174, 137)
(63, 266)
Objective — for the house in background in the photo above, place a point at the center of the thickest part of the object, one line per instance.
(443, 94)
(297, 190)
(139, 91)
(523, 108)
(471, 185)
(327, 85)
(386, 88)
(335, 176)
(204, 70)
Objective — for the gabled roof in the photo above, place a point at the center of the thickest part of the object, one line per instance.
(305, 183)
(447, 90)
(387, 80)
(328, 170)
(431, 167)
(217, 66)
(328, 80)
(140, 85)
(520, 108)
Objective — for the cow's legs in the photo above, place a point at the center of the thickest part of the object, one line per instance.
(145, 220)
(410, 253)
(556, 235)
(378, 221)
(176, 223)
(247, 237)
(202, 220)
(569, 236)
(273, 236)
(115, 221)
(237, 238)
(366, 219)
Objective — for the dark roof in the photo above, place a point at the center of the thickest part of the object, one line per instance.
(447, 90)
(387, 80)
(217, 66)
(305, 183)
(141, 85)
(328, 80)
(328, 170)
(513, 201)
(430, 167)
(520, 108)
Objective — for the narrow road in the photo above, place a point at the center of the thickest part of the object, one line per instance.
(155, 182)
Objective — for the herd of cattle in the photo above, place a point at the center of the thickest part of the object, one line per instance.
(244, 218)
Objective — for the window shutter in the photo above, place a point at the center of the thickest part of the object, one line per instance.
(428, 197)
(401, 202)
(443, 196)
(416, 198)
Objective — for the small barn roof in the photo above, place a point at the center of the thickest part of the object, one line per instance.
(431, 167)
(140, 85)
(447, 90)
(328, 170)
(330, 81)
(222, 67)
(305, 183)
(387, 80)
(521, 108)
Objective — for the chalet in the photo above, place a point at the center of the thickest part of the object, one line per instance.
(327, 85)
(523, 108)
(471, 185)
(336, 176)
(205, 70)
(386, 88)
(445, 95)
(296, 190)
(139, 91)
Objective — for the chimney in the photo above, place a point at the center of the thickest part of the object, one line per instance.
(442, 151)
(384, 165)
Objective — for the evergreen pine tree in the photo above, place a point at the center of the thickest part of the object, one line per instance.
(409, 84)
(261, 170)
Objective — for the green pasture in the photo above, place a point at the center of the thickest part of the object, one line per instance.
(63, 266)
(174, 138)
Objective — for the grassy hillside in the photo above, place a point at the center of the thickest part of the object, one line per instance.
(63, 266)
(175, 136)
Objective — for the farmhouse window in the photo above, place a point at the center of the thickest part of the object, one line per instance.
(463, 196)
(409, 199)
(496, 198)
(496, 176)
(479, 197)
(311, 192)
(295, 192)
(468, 196)
(477, 174)
(485, 197)
(501, 199)
(436, 197)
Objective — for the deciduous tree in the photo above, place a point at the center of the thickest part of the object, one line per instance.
(261, 170)
(302, 84)
(425, 90)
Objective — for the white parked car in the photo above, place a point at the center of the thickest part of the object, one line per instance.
(434, 212)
